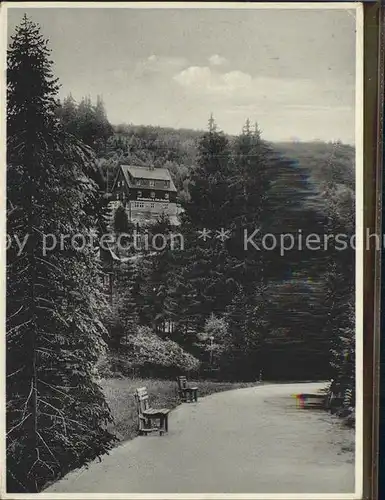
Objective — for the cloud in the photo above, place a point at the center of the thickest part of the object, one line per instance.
(217, 60)
(155, 61)
(204, 79)
(159, 64)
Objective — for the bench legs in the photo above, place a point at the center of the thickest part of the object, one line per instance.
(163, 424)
(190, 395)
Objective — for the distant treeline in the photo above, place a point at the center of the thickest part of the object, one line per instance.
(177, 149)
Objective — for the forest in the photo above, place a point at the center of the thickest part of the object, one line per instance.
(214, 309)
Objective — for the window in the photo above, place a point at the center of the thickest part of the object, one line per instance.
(152, 194)
(165, 205)
(167, 196)
(166, 184)
(139, 194)
(152, 205)
(152, 184)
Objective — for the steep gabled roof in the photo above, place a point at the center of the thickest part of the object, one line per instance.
(158, 174)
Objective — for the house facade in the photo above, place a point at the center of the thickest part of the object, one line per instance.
(146, 193)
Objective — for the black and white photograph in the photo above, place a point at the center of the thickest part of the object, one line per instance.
(183, 194)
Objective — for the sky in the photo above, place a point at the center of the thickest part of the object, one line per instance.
(291, 71)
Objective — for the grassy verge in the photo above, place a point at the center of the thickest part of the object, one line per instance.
(119, 394)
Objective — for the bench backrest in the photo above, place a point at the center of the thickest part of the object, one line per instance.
(141, 397)
(182, 382)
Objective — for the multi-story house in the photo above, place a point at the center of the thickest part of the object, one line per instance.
(146, 193)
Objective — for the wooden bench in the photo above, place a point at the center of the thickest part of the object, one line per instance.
(187, 393)
(147, 415)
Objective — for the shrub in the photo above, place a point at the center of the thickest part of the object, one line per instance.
(146, 354)
(146, 349)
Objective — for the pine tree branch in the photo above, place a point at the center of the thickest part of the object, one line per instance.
(57, 390)
(46, 262)
(28, 398)
(47, 447)
(15, 372)
(40, 400)
(17, 327)
(60, 413)
(19, 424)
(15, 313)
(38, 460)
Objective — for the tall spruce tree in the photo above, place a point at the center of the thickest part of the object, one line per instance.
(211, 208)
(210, 189)
(56, 412)
(252, 177)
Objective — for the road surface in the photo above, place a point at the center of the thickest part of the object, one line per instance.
(252, 440)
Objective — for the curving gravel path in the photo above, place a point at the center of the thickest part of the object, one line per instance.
(251, 440)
